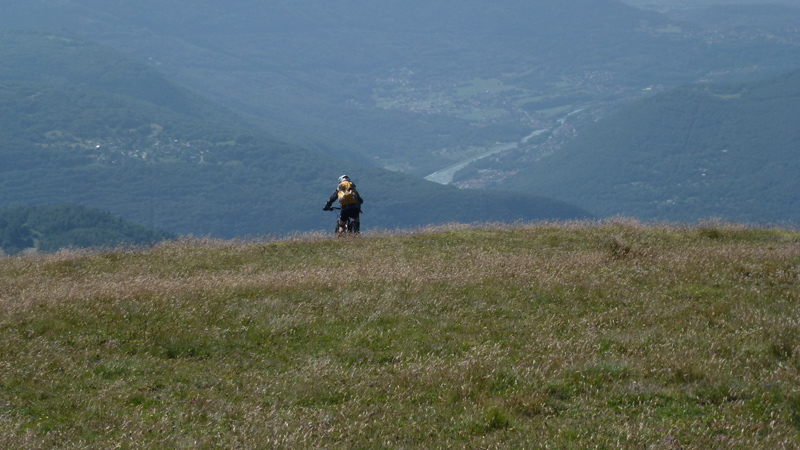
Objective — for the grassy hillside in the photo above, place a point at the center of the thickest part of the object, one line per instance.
(572, 335)
(81, 124)
(728, 151)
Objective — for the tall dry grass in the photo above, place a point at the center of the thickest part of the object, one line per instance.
(568, 335)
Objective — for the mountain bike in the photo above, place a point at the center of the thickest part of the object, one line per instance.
(349, 225)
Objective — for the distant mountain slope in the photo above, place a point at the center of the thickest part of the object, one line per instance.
(699, 151)
(100, 143)
(395, 83)
(349, 36)
(50, 228)
(721, 14)
(63, 58)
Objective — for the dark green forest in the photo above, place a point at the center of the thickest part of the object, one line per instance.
(727, 151)
(102, 145)
(50, 228)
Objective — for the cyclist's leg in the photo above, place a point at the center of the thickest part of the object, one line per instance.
(342, 222)
(349, 214)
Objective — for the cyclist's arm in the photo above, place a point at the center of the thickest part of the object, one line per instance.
(334, 197)
(358, 196)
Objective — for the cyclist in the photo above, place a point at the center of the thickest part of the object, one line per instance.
(349, 200)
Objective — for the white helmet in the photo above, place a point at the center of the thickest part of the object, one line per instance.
(343, 178)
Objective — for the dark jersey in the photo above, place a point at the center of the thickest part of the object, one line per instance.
(335, 197)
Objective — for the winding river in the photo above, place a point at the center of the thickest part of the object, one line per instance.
(445, 176)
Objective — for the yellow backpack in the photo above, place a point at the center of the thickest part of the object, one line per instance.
(347, 195)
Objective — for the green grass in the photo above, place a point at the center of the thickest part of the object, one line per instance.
(573, 335)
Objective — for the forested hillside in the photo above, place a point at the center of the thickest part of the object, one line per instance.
(65, 58)
(91, 133)
(742, 13)
(730, 151)
(414, 87)
(50, 228)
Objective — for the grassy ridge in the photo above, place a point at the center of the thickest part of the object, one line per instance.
(575, 335)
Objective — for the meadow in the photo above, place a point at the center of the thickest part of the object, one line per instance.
(611, 334)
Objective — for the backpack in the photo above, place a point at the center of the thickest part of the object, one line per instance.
(347, 196)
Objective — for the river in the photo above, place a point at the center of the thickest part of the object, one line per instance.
(445, 176)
